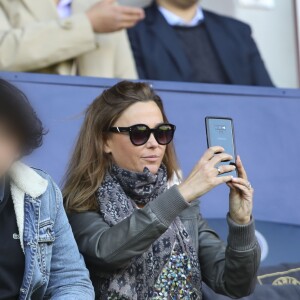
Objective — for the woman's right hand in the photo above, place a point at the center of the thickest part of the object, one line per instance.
(204, 176)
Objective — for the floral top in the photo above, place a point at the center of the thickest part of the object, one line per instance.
(174, 282)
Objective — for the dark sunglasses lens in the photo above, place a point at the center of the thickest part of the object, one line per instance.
(139, 135)
(164, 134)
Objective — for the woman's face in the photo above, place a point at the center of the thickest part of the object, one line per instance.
(136, 158)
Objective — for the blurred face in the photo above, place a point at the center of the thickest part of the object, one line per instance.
(131, 157)
(9, 149)
(180, 3)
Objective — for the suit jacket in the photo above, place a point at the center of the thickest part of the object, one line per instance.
(34, 38)
(159, 54)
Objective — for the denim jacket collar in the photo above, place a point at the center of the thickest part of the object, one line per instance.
(24, 181)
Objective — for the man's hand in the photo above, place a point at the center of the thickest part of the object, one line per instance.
(105, 16)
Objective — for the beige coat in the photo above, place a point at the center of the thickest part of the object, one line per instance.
(34, 39)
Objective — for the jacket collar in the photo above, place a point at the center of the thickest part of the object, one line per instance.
(42, 10)
(27, 180)
(46, 9)
(167, 36)
(24, 181)
(174, 20)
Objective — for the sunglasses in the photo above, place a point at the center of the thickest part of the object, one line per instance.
(139, 134)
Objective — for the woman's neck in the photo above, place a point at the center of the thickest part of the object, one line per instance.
(187, 14)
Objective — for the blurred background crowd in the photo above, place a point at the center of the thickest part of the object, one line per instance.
(173, 40)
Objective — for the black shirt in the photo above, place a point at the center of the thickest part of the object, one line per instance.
(206, 65)
(12, 259)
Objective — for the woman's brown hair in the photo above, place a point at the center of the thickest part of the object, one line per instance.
(89, 163)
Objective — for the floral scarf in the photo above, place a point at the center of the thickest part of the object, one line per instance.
(118, 197)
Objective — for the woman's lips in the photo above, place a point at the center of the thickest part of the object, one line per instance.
(151, 158)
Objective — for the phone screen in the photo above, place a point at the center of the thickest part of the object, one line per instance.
(220, 132)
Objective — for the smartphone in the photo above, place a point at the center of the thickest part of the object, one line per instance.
(220, 132)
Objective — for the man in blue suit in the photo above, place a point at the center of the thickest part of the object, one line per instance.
(179, 41)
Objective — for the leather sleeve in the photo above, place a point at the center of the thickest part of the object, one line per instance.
(229, 270)
(113, 247)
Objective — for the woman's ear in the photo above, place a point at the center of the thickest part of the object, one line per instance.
(107, 147)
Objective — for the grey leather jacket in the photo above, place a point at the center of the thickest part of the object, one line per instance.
(227, 270)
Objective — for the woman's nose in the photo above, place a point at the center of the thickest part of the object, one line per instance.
(152, 142)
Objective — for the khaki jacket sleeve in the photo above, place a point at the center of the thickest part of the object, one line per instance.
(43, 43)
(125, 68)
(112, 58)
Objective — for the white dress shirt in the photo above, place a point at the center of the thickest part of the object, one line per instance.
(174, 20)
(64, 8)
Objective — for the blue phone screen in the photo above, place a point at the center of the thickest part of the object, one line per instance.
(220, 133)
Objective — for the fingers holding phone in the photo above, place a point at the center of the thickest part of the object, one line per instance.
(206, 174)
(241, 196)
(220, 132)
(218, 165)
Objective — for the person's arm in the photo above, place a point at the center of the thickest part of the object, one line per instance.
(260, 75)
(232, 270)
(69, 278)
(113, 247)
(44, 43)
(229, 270)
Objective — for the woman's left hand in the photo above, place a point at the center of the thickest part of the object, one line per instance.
(241, 196)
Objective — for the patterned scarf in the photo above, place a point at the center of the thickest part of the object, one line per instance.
(118, 197)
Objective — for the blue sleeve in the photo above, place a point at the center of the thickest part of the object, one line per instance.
(69, 278)
(260, 75)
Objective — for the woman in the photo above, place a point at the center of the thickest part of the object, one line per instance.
(39, 258)
(140, 239)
